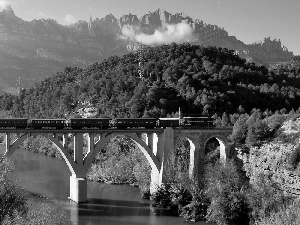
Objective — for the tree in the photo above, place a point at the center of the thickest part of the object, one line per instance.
(227, 195)
(225, 122)
(241, 110)
(240, 130)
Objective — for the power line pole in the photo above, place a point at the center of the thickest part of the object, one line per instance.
(19, 86)
(141, 61)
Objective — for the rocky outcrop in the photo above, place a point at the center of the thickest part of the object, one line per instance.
(46, 44)
(130, 20)
(270, 51)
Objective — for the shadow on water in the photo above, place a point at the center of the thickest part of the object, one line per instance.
(107, 207)
(107, 211)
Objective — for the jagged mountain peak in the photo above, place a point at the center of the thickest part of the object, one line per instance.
(182, 14)
(157, 18)
(110, 17)
(161, 11)
(129, 19)
(49, 46)
(8, 11)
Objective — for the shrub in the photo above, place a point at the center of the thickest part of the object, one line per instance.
(265, 199)
(268, 177)
(227, 195)
(180, 196)
(294, 158)
(143, 177)
(197, 209)
(12, 197)
(44, 214)
(121, 161)
(162, 197)
(288, 215)
(40, 144)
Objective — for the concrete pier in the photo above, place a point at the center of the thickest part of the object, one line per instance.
(78, 189)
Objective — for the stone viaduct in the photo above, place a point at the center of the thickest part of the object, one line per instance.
(158, 145)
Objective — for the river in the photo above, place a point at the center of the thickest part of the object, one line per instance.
(108, 204)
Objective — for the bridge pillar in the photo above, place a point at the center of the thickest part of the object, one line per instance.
(78, 189)
(165, 150)
(91, 142)
(7, 140)
(199, 163)
(192, 160)
(65, 141)
(78, 182)
(149, 140)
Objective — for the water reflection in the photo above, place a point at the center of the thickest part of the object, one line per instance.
(108, 208)
(108, 204)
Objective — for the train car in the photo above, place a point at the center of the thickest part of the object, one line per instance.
(79, 123)
(124, 123)
(47, 123)
(198, 122)
(169, 122)
(17, 123)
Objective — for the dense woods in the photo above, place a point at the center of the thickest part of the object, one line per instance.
(198, 79)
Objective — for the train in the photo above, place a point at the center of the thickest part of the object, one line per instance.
(107, 123)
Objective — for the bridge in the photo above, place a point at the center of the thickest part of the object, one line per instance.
(157, 144)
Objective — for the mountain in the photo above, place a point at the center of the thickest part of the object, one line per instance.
(199, 80)
(40, 48)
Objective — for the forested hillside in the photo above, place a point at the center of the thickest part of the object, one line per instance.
(198, 79)
(261, 175)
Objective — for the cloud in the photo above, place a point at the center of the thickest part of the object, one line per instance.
(3, 3)
(69, 19)
(178, 33)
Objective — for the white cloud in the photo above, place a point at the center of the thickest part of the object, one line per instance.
(69, 19)
(178, 33)
(3, 3)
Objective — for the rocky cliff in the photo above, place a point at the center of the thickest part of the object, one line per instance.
(40, 48)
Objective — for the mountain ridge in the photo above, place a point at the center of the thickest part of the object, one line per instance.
(33, 50)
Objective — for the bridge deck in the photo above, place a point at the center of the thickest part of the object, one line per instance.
(61, 131)
(114, 130)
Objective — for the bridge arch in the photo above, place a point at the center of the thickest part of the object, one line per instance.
(193, 153)
(63, 151)
(224, 146)
(147, 151)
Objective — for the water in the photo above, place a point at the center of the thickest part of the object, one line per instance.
(108, 204)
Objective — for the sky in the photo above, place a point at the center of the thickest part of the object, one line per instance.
(248, 20)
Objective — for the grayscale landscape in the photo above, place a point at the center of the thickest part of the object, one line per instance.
(149, 112)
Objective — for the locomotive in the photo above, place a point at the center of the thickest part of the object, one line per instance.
(106, 123)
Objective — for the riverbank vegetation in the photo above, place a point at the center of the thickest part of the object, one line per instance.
(13, 203)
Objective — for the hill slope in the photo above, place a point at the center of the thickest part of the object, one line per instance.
(197, 79)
